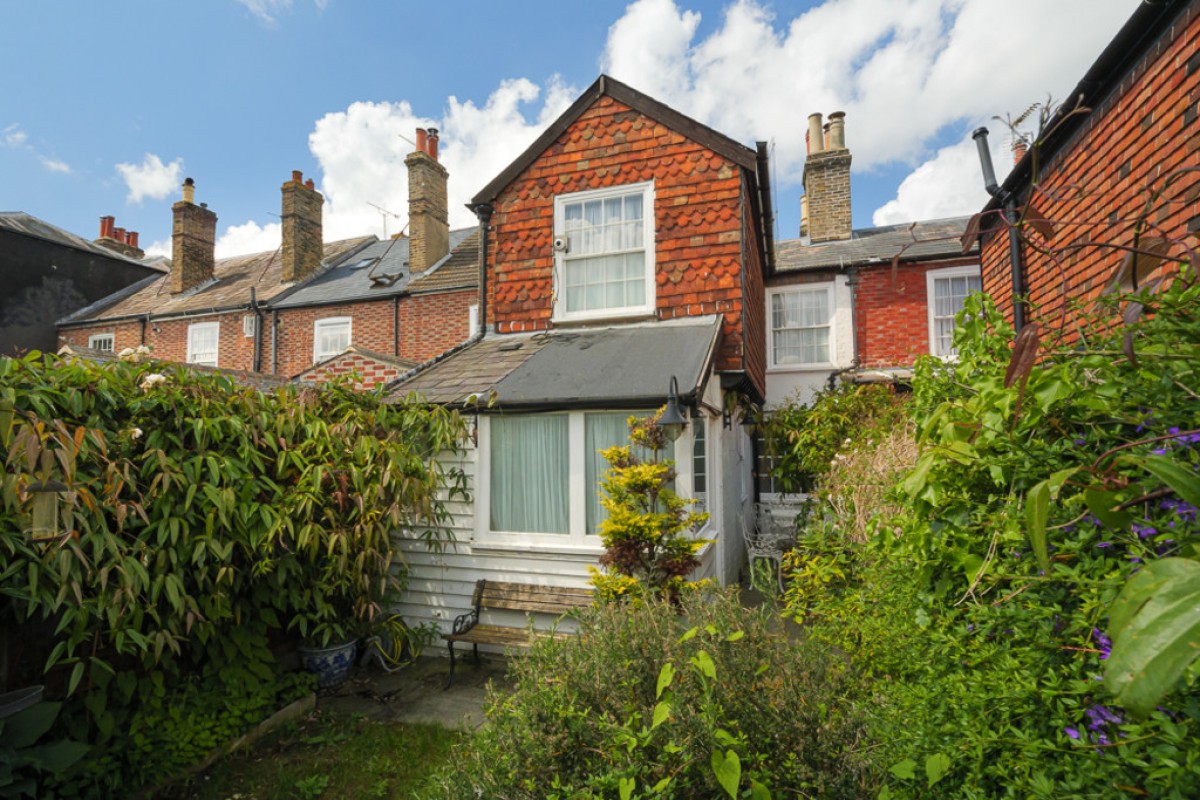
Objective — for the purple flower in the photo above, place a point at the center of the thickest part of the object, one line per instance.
(1104, 644)
(1072, 732)
(1080, 441)
(1104, 544)
(1144, 531)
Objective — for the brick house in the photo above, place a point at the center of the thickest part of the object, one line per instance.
(1121, 152)
(48, 273)
(857, 305)
(397, 302)
(625, 248)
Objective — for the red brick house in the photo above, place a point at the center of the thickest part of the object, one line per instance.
(858, 305)
(1121, 153)
(626, 247)
(397, 302)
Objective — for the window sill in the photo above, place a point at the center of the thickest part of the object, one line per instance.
(803, 368)
(604, 318)
(566, 551)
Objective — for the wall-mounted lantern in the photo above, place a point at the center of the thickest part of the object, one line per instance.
(672, 421)
(47, 496)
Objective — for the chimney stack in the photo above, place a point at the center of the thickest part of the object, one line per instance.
(428, 207)
(827, 180)
(193, 236)
(303, 239)
(118, 239)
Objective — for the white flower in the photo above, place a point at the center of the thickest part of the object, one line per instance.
(135, 433)
(151, 380)
(127, 354)
(142, 350)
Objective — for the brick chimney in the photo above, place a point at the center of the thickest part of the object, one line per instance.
(827, 179)
(303, 242)
(118, 239)
(193, 235)
(428, 213)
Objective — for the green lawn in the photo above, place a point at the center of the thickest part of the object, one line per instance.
(329, 756)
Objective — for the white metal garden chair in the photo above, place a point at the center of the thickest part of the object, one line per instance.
(768, 537)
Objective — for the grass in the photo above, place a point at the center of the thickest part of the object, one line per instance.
(330, 756)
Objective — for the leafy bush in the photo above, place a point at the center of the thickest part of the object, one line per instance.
(707, 699)
(979, 613)
(204, 520)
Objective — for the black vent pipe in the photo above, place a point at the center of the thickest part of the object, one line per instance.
(1010, 213)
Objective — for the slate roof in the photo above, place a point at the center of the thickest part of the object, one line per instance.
(378, 270)
(233, 278)
(29, 225)
(459, 270)
(254, 380)
(913, 241)
(627, 365)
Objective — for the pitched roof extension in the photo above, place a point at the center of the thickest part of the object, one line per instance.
(29, 225)
(912, 241)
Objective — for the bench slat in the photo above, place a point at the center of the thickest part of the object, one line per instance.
(501, 635)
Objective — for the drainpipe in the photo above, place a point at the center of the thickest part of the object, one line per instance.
(145, 320)
(1010, 213)
(396, 325)
(483, 212)
(274, 341)
(258, 320)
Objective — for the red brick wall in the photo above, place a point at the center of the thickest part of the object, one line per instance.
(430, 324)
(1095, 187)
(369, 371)
(168, 338)
(893, 313)
(754, 306)
(697, 220)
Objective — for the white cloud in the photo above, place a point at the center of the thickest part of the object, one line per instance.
(161, 247)
(361, 152)
(13, 136)
(907, 74)
(249, 237)
(152, 178)
(55, 165)
(267, 11)
(947, 185)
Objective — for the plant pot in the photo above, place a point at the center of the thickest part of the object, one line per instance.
(330, 664)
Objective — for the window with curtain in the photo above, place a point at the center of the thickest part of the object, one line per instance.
(529, 474)
(330, 337)
(541, 474)
(947, 289)
(605, 255)
(203, 338)
(801, 322)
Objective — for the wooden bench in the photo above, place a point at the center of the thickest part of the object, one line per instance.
(502, 596)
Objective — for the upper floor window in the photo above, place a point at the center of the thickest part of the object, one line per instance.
(604, 252)
(203, 338)
(802, 326)
(102, 341)
(947, 289)
(330, 337)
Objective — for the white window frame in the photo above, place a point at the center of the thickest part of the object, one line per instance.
(576, 540)
(331, 322)
(193, 353)
(472, 319)
(831, 296)
(104, 342)
(562, 256)
(931, 279)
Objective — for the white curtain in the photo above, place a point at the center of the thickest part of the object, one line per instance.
(605, 430)
(529, 474)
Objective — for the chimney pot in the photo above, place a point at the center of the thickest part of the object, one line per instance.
(297, 176)
(837, 130)
(422, 145)
(133, 238)
(119, 234)
(816, 137)
(433, 143)
(189, 191)
(309, 184)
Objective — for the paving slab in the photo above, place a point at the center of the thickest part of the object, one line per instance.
(416, 693)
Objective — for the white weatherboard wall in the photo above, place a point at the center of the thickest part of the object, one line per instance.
(441, 584)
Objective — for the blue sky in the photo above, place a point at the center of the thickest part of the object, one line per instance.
(106, 107)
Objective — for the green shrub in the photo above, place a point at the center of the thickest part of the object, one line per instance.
(653, 700)
(204, 521)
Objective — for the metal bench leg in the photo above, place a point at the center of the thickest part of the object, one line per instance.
(476, 646)
(450, 679)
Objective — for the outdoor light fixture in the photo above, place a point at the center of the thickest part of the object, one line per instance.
(672, 421)
(751, 420)
(46, 497)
